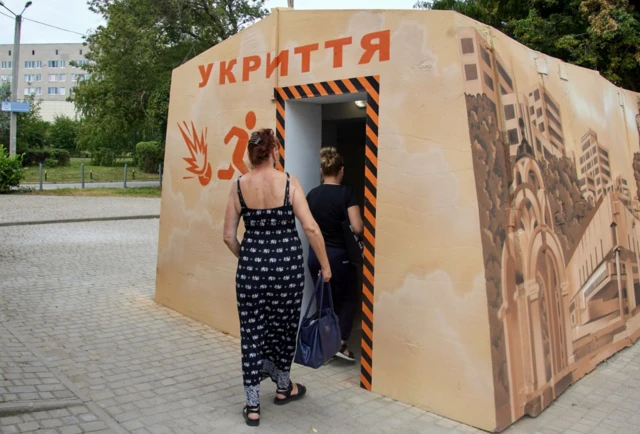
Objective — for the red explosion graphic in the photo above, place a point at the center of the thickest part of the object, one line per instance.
(198, 161)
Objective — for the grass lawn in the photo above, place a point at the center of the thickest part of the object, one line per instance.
(72, 173)
(120, 192)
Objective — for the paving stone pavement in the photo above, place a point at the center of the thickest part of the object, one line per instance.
(17, 208)
(76, 301)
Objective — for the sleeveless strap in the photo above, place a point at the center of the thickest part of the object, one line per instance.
(286, 192)
(242, 204)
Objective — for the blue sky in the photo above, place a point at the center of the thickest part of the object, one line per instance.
(74, 15)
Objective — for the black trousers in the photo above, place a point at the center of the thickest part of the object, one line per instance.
(344, 289)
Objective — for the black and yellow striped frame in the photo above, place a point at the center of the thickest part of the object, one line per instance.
(370, 85)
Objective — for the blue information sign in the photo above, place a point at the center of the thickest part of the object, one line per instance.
(16, 107)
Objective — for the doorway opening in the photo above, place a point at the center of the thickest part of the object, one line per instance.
(342, 114)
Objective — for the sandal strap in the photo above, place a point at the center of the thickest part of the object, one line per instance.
(286, 392)
(250, 410)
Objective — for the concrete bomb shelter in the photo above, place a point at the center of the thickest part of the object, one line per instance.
(497, 184)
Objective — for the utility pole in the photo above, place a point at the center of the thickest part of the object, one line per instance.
(16, 72)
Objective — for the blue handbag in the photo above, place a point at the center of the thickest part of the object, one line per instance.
(319, 336)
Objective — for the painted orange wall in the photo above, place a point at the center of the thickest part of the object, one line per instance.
(500, 172)
(431, 337)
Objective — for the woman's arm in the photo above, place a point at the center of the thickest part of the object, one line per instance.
(310, 227)
(355, 219)
(231, 222)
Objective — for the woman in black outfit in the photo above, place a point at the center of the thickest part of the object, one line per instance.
(331, 204)
(270, 273)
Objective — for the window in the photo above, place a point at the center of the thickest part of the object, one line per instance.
(488, 81)
(39, 64)
(62, 64)
(74, 77)
(53, 64)
(6, 64)
(9, 52)
(513, 136)
(503, 91)
(29, 78)
(56, 52)
(555, 135)
(509, 112)
(53, 78)
(485, 56)
(29, 64)
(536, 94)
(61, 91)
(467, 46)
(81, 52)
(504, 75)
(82, 62)
(38, 91)
(541, 127)
(539, 112)
(471, 72)
(62, 77)
(532, 110)
(539, 144)
(38, 77)
(52, 91)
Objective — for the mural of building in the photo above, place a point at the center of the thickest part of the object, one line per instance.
(545, 123)
(501, 243)
(595, 167)
(534, 287)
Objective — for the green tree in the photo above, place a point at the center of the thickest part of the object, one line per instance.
(125, 99)
(5, 117)
(63, 133)
(32, 130)
(598, 34)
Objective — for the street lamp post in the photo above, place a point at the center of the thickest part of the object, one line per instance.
(16, 70)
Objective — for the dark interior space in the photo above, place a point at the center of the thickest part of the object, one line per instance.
(343, 127)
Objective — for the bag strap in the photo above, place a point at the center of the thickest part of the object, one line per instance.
(320, 287)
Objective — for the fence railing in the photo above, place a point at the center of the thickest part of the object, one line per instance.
(42, 176)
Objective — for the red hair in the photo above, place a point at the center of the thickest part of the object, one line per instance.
(261, 145)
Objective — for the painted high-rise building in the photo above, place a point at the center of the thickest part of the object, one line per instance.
(545, 122)
(595, 167)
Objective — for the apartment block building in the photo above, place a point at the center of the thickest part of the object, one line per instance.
(595, 167)
(545, 121)
(46, 71)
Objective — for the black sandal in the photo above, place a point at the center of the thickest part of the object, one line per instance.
(345, 354)
(287, 393)
(247, 411)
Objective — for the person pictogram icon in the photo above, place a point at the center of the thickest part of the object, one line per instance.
(237, 158)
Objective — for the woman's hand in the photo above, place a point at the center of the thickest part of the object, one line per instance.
(325, 272)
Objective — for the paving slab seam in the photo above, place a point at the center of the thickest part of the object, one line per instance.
(83, 220)
(83, 397)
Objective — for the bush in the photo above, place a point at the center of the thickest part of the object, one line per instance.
(49, 163)
(149, 156)
(11, 172)
(62, 156)
(33, 157)
(103, 157)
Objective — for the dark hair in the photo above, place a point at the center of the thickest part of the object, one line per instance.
(330, 161)
(261, 144)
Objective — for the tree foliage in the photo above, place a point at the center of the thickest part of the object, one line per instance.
(63, 133)
(598, 34)
(126, 97)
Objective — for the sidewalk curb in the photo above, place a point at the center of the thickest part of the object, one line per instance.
(81, 220)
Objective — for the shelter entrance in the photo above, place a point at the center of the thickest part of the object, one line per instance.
(342, 114)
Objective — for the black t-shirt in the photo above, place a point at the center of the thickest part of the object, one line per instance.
(328, 204)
